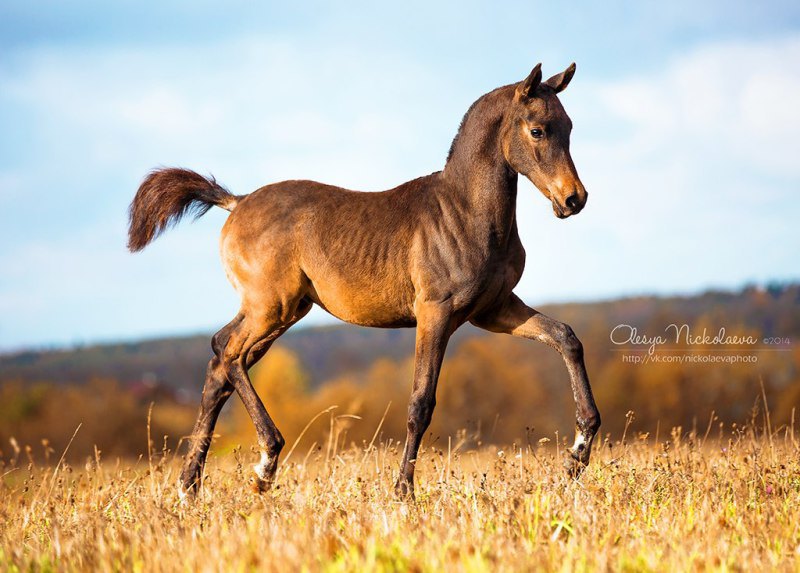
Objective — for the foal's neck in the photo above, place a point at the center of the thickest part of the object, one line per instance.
(477, 172)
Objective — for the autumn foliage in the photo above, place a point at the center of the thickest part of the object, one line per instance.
(494, 389)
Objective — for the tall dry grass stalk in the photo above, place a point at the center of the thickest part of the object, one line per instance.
(715, 500)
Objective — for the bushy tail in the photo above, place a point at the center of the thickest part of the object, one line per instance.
(165, 196)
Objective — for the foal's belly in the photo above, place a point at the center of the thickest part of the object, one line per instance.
(375, 304)
(390, 304)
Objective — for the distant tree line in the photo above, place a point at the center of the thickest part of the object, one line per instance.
(493, 388)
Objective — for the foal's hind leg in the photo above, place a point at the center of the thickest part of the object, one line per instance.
(252, 336)
(216, 391)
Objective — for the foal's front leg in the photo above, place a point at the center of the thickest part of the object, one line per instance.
(433, 331)
(516, 318)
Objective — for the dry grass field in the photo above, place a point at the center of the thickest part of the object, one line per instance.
(687, 502)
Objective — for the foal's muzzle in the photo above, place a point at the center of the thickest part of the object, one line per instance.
(571, 205)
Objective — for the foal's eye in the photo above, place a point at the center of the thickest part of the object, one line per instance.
(537, 133)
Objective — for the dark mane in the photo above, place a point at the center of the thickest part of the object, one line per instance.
(467, 114)
(460, 129)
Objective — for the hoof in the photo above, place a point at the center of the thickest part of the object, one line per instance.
(190, 481)
(577, 457)
(259, 485)
(265, 473)
(186, 493)
(574, 465)
(404, 490)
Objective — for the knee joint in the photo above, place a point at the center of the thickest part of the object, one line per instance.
(218, 343)
(219, 392)
(570, 345)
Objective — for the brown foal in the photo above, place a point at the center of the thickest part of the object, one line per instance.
(433, 253)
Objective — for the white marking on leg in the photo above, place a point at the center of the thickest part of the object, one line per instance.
(183, 495)
(261, 467)
(580, 443)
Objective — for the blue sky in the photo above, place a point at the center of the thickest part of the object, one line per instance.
(686, 136)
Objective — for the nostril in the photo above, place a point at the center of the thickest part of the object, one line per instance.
(572, 202)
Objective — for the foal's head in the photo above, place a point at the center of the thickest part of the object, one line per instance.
(535, 140)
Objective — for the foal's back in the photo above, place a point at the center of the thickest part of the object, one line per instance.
(348, 251)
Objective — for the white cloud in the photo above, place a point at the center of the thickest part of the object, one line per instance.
(692, 170)
(243, 105)
(693, 176)
(250, 111)
(737, 100)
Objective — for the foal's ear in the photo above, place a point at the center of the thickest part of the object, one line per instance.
(526, 88)
(559, 82)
